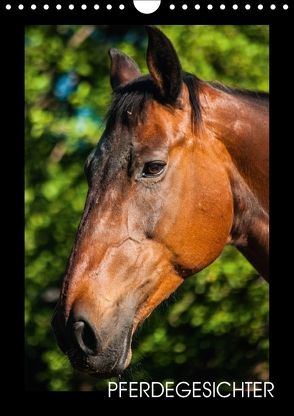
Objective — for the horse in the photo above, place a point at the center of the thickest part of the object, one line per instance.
(181, 170)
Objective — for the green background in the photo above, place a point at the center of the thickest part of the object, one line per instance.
(215, 327)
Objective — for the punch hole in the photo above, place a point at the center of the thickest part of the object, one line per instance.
(147, 6)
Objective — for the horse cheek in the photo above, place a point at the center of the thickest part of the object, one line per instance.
(197, 226)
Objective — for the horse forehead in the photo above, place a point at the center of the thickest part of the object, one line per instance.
(161, 124)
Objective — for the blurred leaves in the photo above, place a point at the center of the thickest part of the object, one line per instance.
(215, 325)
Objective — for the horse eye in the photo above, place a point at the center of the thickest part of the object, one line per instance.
(154, 168)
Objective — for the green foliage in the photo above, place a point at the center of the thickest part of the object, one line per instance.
(216, 324)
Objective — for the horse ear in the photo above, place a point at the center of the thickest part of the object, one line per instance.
(164, 65)
(122, 69)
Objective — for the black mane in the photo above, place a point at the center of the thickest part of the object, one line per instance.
(133, 97)
(257, 96)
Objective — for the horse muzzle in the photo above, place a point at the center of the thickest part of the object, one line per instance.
(102, 355)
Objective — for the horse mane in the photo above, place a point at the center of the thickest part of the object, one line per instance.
(131, 98)
(258, 97)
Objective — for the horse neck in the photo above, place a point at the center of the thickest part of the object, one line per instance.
(241, 124)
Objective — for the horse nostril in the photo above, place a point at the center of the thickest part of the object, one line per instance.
(85, 337)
